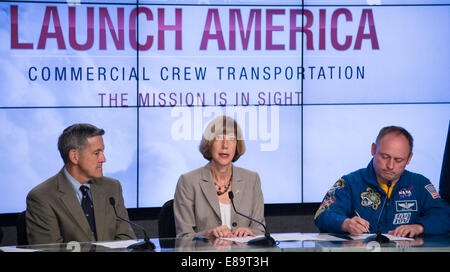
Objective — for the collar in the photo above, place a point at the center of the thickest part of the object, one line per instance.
(369, 174)
(76, 184)
(371, 178)
(207, 176)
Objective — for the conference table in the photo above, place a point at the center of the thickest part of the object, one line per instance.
(285, 242)
(292, 251)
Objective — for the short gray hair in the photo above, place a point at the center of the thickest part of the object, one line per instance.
(75, 137)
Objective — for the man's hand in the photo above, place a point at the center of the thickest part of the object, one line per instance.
(407, 230)
(355, 225)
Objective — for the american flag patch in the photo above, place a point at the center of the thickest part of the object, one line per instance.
(430, 188)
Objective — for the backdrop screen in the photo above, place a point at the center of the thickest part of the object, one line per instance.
(310, 83)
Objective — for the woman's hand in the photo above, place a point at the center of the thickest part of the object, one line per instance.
(243, 232)
(222, 231)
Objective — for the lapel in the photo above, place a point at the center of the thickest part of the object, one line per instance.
(98, 198)
(71, 203)
(237, 186)
(209, 190)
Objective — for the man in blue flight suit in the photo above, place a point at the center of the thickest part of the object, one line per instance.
(355, 202)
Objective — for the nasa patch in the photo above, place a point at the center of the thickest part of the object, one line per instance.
(405, 192)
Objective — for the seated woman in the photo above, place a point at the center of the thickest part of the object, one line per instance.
(201, 202)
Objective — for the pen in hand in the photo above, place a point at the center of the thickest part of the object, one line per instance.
(366, 229)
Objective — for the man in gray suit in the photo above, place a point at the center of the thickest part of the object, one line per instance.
(74, 204)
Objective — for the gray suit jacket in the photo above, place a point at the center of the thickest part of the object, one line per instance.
(196, 205)
(54, 214)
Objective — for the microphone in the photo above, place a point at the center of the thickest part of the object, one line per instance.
(267, 240)
(378, 237)
(146, 244)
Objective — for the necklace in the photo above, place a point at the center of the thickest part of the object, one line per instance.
(219, 189)
(222, 189)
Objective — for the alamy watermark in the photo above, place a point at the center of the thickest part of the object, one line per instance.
(257, 123)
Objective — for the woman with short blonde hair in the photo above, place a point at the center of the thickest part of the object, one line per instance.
(201, 203)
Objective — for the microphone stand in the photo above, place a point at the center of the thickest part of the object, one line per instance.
(378, 237)
(140, 246)
(267, 240)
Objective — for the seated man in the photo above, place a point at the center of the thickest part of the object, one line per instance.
(355, 202)
(74, 204)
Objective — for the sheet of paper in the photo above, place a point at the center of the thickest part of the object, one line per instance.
(284, 237)
(391, 237)
(13, 249)
(116, 244)
(327, 237)
(242, 239)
